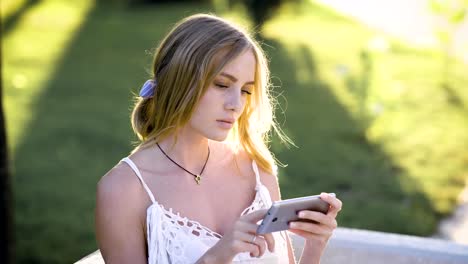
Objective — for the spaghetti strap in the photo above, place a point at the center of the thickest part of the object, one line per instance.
(262, 190)
(257, 174)
(137, 172)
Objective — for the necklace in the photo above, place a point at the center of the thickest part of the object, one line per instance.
(197, 176)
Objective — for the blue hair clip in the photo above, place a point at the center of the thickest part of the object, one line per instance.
(147, 90)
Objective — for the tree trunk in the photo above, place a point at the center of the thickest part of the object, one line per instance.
(6, 216)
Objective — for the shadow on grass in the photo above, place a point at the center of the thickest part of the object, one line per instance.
(11, 21)
(81, 128)
(334, 155)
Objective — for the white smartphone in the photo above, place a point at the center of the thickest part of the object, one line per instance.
(282, 212)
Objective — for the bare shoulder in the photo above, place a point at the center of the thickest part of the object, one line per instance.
(120, 184)
(120, 216)
(268, 179)
(272, 184)
(120, 191)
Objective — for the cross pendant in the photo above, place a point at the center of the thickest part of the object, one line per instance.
(197, 179)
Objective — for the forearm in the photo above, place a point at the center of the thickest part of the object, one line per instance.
(311, 253)
(206, 259)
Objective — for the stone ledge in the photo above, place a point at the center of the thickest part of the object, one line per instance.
(355, 246)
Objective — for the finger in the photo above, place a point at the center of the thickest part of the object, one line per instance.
(255, 216)
(307, 235)
(311, 228)
(261, 243)
(312, 215)
(335, 203)
(332, 200)
(253, 249)
(270, 240)
(319, 217)
(334, 223)
(333, 211)
(253, 243)
(247, 227)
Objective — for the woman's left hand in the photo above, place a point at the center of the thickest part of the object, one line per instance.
(317, 234)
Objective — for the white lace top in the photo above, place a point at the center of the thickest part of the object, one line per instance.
(179, 240)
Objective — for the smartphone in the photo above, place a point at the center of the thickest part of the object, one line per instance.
(282, 212)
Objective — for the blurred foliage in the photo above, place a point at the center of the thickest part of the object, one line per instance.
(452, 13)
(262, 10)
(366, 111)
(145, 2)
(258, 10)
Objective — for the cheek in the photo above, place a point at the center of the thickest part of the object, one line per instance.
(207, 105)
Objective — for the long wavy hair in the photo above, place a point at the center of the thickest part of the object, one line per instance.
(185, 63)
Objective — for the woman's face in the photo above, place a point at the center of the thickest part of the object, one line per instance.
(225, 98)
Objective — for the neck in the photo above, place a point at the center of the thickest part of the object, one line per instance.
(188, 151)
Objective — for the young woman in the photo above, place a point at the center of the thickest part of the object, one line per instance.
(203, 176)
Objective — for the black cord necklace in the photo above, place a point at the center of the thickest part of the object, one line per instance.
(197, 176)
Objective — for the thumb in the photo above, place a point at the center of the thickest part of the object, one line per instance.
(255, 216)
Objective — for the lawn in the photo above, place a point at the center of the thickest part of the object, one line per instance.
(371, 121)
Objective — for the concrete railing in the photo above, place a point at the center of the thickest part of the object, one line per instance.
(354, 246)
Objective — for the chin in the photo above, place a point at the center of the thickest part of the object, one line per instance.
(217, 136)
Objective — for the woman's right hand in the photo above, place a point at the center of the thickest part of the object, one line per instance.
(242, 238)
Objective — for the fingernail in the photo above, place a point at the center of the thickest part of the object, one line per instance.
(271, 250)
(301, 214)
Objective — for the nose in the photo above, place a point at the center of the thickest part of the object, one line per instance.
(234, 100)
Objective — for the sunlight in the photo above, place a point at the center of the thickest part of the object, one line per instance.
(31, 52)
(8, 7)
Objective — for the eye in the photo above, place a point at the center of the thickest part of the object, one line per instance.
(246, 92)
(220, 85)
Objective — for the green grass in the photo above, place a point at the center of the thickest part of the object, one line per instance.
(382, 133)
(373, 126)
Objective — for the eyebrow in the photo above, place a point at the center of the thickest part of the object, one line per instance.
(234, 79)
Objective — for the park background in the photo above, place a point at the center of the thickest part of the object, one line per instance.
(377, 119)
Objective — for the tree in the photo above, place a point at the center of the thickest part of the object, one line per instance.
(452, 13)
(262, 10)
(6, 216)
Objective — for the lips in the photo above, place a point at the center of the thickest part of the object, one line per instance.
(226, 123)
(229, 120)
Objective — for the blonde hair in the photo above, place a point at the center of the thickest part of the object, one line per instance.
(185, 63)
